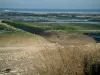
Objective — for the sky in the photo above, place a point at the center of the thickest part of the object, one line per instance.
(51, 4)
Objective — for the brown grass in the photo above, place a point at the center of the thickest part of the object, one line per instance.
(37, 56)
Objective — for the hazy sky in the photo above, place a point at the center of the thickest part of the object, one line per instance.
(51, 4)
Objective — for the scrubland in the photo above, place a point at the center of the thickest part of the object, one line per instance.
(51, 52)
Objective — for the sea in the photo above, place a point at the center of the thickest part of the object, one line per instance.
(51, 10)
(53, 20)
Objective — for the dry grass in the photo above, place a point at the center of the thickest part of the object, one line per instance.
(49, 59)
(27, 54)
(33, 55)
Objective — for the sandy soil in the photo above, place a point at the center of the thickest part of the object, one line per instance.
(68, 39)
(18, 53)
(34, 55)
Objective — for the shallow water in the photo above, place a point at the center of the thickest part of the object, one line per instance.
(62, 20)
(4, 31)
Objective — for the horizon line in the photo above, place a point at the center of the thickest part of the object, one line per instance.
(52, 8)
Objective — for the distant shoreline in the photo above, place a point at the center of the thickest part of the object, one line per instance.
(60, 12)
(35, 12)
(50, 10)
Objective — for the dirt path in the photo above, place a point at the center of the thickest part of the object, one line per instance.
(66, 39)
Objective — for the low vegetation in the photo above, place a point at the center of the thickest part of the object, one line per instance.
(4, 27)
(37, 27)
(40, 57)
